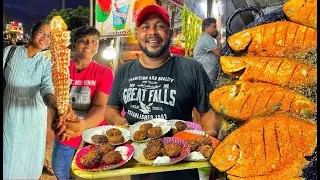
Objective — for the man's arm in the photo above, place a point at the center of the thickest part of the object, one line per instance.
(217, 51)
(113, 115)
(209, 122)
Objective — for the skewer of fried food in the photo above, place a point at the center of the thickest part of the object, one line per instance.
(60, 54)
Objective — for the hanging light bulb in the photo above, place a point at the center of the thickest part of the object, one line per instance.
(109, 52)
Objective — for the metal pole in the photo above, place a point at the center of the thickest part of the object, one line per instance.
(91, 13)
(63, 4)
(116, 59)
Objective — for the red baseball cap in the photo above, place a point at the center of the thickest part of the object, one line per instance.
(152, 8)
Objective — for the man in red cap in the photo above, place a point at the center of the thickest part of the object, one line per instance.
(160, 85)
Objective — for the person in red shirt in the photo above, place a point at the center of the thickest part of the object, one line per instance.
(90, 87)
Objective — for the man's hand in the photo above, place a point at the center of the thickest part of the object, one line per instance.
(120, 121)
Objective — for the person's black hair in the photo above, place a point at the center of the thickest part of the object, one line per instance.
(84, 30)
(37, 26)
(207, 22)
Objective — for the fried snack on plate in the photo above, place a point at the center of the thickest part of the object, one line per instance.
(146, 126)
(99, 139)
(172, 149)
(113, 132)
(112, 157)
(180, 125)
(151, 152)
(154, 132)
(91, 159)
(140, 135)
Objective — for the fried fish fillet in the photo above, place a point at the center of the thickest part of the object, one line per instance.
(267, 148)
(274, 70)
(277, 39)
(302, 12)
(247, 99)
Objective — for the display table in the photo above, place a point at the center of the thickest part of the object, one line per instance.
(132, 167)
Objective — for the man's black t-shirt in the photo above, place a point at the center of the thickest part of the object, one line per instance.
(169, 91)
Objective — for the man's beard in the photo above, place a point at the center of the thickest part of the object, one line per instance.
(158, 53)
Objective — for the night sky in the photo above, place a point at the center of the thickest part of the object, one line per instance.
(29, 11)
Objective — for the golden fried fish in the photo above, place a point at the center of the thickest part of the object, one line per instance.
(266, 148)
(302, 12)
(274, 70)
(247, 99)
(277, 39)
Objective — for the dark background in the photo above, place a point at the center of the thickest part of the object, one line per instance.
(28, 12)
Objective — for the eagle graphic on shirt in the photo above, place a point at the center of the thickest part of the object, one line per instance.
(145, 109)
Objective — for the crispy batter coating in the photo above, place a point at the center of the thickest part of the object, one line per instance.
(146, 126)
(104, 149)
(113, 132)
(156, 142)
(181, 126)
(99, 139)
(91, 159)
(154, 132)
(174, 131)
(140, 135)
(152, 152)
(206, 150)
(172, 149)
(204, 140)
(112, 157)
(193, 145)
(116, 139)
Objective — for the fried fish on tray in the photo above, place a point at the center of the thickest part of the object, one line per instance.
(172, 149)
(156, 142)
(193, 145)
(180, 126)
(104, 149)
(112, 157)
(140, 135)
(206, 150)
(117, 139)
(154, 132)
(146, 126)
(113, 132)
(202, 140)
(99, 139)
(267, 148)
(91, 159)
(151, 152)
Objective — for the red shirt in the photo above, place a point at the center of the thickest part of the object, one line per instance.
(84, 84)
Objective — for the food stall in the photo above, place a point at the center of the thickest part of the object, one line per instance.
(265, 96)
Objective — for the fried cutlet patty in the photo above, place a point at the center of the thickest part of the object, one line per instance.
(206, 150)
(156, 142)
(113, 132)
(193, 145)
(99, 139)
(91, 159)
(152, 152)
(116, 139)
(112, 157)
(172, 149)
(181, 126)
(105, 148)
(154, 132)
(174, 131)
(146, 126)
(140, 135)
(204, 140)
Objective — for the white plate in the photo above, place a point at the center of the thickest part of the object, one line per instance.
(101, 130)
(164, 125)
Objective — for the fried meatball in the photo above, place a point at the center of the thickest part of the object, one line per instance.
(99, 139)
(146, 126)
(91, 159)
(140, 135)
(204, 140)
(113, 132)
(154, 132)
(174, 131)
(104, 149)
(172, 149)
(152, 152)
(181, 126)
(206, 150)
(116, 139)
(156, 142)
(112, 157)
(193, 145)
